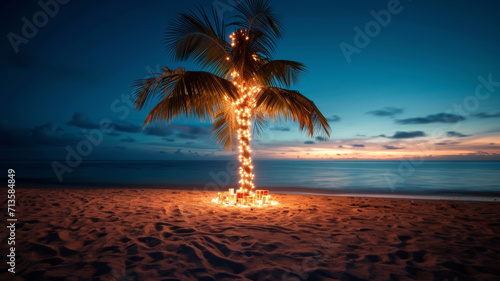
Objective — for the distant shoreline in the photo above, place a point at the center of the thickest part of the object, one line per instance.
(3, 162)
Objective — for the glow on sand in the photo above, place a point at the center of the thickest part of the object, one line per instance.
(245, 195)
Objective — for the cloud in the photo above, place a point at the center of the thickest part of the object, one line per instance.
(386, 112)
(433, 118)
(357, 145)
(392, 147)
(187, 136)
(81, 120)
(407, 135)
(334, 118)
(168, 139)
(485, 115)
(126, 127)
(309, 142)
(475, 156)
(197, 130)
(48, 134)
(186, 132)
(52, 135)
(319, 138)
(13, 136)
(190, 132)
(341, 146)
(447, 143)
(128, 139)
(187, 155)
(280, 129)
(481, 153)
(456, 134)
(159, 131)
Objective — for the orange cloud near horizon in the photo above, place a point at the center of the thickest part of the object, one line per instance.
(485, 148)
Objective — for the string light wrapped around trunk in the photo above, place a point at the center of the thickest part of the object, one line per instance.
(244, 107)
(243, 110)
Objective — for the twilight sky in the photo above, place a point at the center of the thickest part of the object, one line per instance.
(425, 82)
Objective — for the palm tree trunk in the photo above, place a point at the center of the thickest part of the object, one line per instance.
(243, 114)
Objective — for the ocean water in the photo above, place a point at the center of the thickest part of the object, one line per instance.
(428, 177)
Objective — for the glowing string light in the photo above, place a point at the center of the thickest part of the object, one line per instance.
(243, 110)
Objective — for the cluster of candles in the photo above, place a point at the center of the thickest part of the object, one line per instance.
(242, 198)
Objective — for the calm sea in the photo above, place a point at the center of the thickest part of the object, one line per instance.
(397, 177)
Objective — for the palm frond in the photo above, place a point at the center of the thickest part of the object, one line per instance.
(263, 25)
(193, 35)
(280, 73)
(224, 127)
(259, 123)
(190, 93)
(156, 87)
(277, 104)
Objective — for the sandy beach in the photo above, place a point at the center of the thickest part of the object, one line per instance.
(160, 234)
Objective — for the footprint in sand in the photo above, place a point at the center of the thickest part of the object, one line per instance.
(156, 256)
(184, 230)
(404, 255)
(150, 241)
(372, 258)
(41, 251)
(52, 261)
(135, 258)
(419, 256)
(114, 249)
(66, 252)
(101, 268)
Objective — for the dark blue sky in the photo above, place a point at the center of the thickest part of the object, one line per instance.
(391, 95)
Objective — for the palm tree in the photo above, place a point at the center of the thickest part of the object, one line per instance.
(240, 85)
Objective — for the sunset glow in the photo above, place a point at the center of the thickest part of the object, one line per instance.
(477, 148)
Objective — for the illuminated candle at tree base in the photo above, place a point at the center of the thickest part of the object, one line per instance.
(242, 198)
